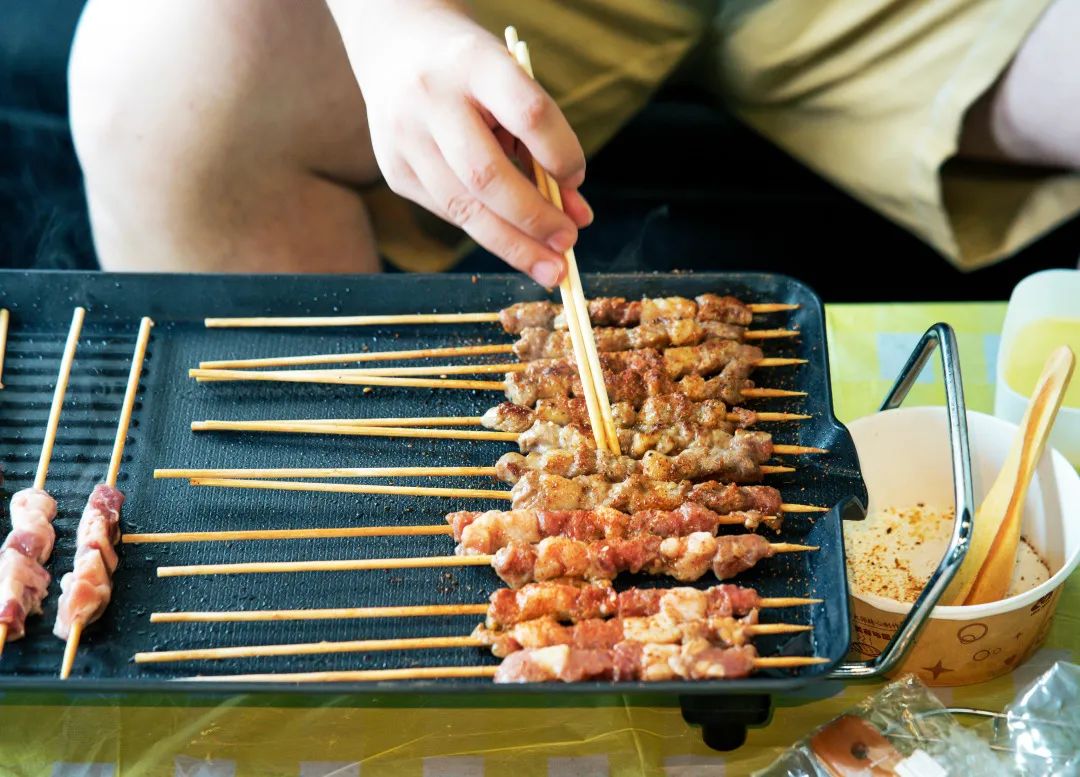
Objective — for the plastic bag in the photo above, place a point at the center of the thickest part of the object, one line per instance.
(1041, 729)
(903, 730)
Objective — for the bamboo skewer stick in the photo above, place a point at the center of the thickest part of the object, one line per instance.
(441, 370)
(71, 647)
(269, 425)
(353, 488)
(53, 423)
(58, 397)
(327, 613)
(130, 392)
(327, 472)
(367, 564)
(361, 356)
(374, 645)
(288, 534)
(4, 321)
(377, 431)
(407, 318)
(344, 377)
(122, 426)
(358, 675)
(369, 320)
(422, 353)
(779, 449)
(769, 334)
(306, 649)
(440, 672)
(405, 611)
(324, 565)
(371, 488)
(365, 472)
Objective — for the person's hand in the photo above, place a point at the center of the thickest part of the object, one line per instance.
(447, 107)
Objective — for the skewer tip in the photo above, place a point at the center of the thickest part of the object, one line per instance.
(70, 649)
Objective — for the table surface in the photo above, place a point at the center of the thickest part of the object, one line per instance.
(109, 736)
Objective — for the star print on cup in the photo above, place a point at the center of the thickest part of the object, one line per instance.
(937, 669)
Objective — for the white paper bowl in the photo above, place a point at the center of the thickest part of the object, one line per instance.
(1048, 294)
(904, 455)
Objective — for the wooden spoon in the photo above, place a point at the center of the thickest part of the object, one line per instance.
(988, 567)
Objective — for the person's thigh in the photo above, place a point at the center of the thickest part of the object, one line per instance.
(873, 95)
(220, 135)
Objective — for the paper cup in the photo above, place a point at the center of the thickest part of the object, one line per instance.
(1047, 294)
(905, 462)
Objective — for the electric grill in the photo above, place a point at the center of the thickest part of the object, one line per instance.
(41, 305)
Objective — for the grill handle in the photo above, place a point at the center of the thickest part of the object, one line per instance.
(942, 337)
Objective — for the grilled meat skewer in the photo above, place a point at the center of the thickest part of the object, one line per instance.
(621, 312)
(570, 601)
(489, 531)
(685, 558)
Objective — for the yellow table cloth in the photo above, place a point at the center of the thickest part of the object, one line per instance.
(103, 737)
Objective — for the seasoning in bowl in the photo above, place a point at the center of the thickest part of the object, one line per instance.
(894, 551)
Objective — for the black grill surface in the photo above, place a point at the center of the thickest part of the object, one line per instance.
(41, 305)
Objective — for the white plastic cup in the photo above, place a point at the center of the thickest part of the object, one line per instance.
(904, 455)
(1047, 294)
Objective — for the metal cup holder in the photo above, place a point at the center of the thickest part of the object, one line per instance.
(941, 337)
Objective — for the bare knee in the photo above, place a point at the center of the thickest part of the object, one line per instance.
(188, 122)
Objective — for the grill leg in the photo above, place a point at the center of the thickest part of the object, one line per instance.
(724, 719)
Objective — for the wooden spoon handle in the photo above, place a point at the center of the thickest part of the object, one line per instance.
(991, 582)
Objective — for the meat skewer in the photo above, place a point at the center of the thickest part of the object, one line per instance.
(87, 589)
(655, 413)
(445, 672)
(562, 600)
(545, 436)
(583, 493)
(705, 359)
(634, 386)
(586, 635)
(603, 311)
(536, 343)
(572, 601)
(488, 532)
(628, 661)
(684, 558)
(740, 460)
(480, 531)
(24, 581)
(510, 467)
(606, 633)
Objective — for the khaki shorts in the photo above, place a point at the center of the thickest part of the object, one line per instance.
(871, 94)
